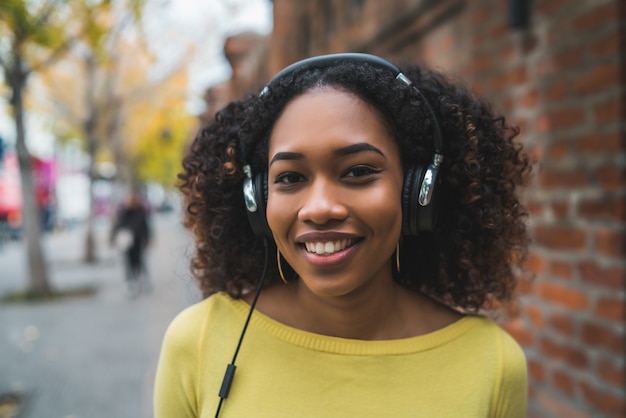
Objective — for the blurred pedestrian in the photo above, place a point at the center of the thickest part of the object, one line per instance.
(131, 234)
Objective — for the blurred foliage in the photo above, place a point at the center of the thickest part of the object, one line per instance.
(160, 131)
(30, 26)
(106, 93)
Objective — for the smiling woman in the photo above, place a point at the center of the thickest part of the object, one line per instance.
(389, 201)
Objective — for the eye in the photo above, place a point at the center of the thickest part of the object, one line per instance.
(361, 171)
(289, 178)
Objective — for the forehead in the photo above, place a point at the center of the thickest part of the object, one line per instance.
(329, 117)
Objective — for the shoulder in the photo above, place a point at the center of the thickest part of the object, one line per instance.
(194, 325)
(490, 331)
(510, 394)
(186, 327)
(487, 340)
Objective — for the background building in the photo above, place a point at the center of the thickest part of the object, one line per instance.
(555, 68)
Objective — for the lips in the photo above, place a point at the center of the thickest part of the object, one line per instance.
(328, 247)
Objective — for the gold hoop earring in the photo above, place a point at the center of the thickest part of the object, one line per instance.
(398, 256)
(280, 269)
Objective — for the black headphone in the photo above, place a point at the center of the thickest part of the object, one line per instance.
(419, 198)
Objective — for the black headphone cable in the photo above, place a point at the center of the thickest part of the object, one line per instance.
(230, 369)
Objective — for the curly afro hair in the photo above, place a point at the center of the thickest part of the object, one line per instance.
(467, 262)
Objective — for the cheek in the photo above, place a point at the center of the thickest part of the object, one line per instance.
(390, 218)
(278, 213)
(382, 210)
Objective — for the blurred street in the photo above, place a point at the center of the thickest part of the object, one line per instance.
(95, 355)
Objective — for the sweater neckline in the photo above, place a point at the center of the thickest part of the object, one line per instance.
(338, 345)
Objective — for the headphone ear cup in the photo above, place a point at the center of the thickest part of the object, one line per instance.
(260, 193)
(415, 217)
(257, 218)
(410, 191)
(426, 216)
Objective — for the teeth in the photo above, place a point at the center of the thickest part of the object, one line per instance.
(327, 247)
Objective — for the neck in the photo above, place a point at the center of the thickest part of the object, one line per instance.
(371, 314)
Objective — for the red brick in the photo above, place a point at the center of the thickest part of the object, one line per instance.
(608, 277)
(611, 308)
(566, 59)
(479, 16)
(535, 208)
(572, 356)
(611, 372)
(563, 324)
(536, 317)
(481, 63)
(552, 406)
(519, 332)
(597, 335)
(596, 143)
(529, 45)
(536, 370)
(517, 76)
(561, 269)
(606, 45)
(600, 78)
(559, 149)
(565, 118)
(561, 237)
(499, 30)
(563, 382)
(573, 178)
(598, 18)
(560, 209)
(549, 8)
(611, 178)
(558, 90)
(607, 111)
(530, 98)
(525, 286)
(604, 401)
(610, 242)
(558, 30)
(534, 263)
(535, 151)
(542, 124)
(609, 207)
(498, 82)
(564, 296)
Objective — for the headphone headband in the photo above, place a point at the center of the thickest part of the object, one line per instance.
(324, 61)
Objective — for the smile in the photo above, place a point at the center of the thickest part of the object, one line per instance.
(328, 247)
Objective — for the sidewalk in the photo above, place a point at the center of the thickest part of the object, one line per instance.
(94, 356)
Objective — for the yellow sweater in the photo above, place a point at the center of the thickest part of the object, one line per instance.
(471, 368)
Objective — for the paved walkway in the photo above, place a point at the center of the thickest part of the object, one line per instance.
(95, 356)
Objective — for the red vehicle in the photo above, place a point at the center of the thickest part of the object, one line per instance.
(11, 193)
(10, 196)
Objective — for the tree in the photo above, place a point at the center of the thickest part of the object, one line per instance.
(99, 57)
(32, 37)
(105, 93)
(160, 129)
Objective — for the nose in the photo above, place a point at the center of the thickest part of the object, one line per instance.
(323, 203)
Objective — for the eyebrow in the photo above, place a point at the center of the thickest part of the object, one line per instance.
(341, 152)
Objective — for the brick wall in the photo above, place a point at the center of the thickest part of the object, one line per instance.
(561, 80)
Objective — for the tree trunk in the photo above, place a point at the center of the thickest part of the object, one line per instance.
(31, 222)
(89, 130)
(90, 242)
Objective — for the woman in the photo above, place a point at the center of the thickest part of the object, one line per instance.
(387, 202)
